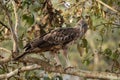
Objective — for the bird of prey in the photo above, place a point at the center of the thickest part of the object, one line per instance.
(58, 39)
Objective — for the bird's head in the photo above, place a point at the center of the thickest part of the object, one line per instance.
(82, 24)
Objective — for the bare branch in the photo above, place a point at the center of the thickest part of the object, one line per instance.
(7, 59)
(99, 1)
(108, 24)
(14, 37)
(16, 71)
(50, 68)
(5, 50)
(15, 45)
(16, 17)
(4, 25)
(77, 72)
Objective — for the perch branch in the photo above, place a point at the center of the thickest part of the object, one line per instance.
(44, 65)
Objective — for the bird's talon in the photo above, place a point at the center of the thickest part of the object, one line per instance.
(58, 67)
(70, 68)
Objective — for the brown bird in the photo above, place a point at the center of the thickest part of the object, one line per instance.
(56, 40)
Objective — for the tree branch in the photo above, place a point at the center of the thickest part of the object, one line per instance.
(77, 72)
(16, 17)
(4, 25)
(7, 59)
(44, 65)
(108, 23)
(16, 71)
(14, 36)
(99, 1)
(15, 45)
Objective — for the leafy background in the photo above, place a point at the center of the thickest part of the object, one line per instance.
(99, 49)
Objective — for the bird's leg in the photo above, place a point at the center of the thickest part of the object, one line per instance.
(58, 63)
(66, 57)
(69, 66)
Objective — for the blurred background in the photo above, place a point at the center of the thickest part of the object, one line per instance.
(99, 49)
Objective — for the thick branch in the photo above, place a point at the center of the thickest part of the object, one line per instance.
(16, 17)
(45, 65)
(77, 72)
(15, 45)
(15, 41)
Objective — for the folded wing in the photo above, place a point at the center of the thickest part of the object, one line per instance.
(58, 37)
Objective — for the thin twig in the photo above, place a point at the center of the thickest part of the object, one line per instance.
(1, 29)
(99, 1)
(107, 23)
(5, 50)
(14, 37)
(4, 25)
(16, 71)
(7, 59)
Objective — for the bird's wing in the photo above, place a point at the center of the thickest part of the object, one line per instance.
(61, 36)
(36, 43)
(53, 40)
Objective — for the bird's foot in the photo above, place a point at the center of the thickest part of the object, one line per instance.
(58, 66)
(69, 68)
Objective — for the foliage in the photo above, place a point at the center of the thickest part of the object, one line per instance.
(100, 46)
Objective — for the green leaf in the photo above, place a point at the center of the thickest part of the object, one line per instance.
(27, 75)
(28, 18)
(108, 52)
(2, 71)
(86, 62)
(115, 55)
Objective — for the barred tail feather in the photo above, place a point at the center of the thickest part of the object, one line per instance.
(20, 56)
(27, 46)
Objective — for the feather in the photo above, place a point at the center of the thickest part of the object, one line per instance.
(56, 39)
